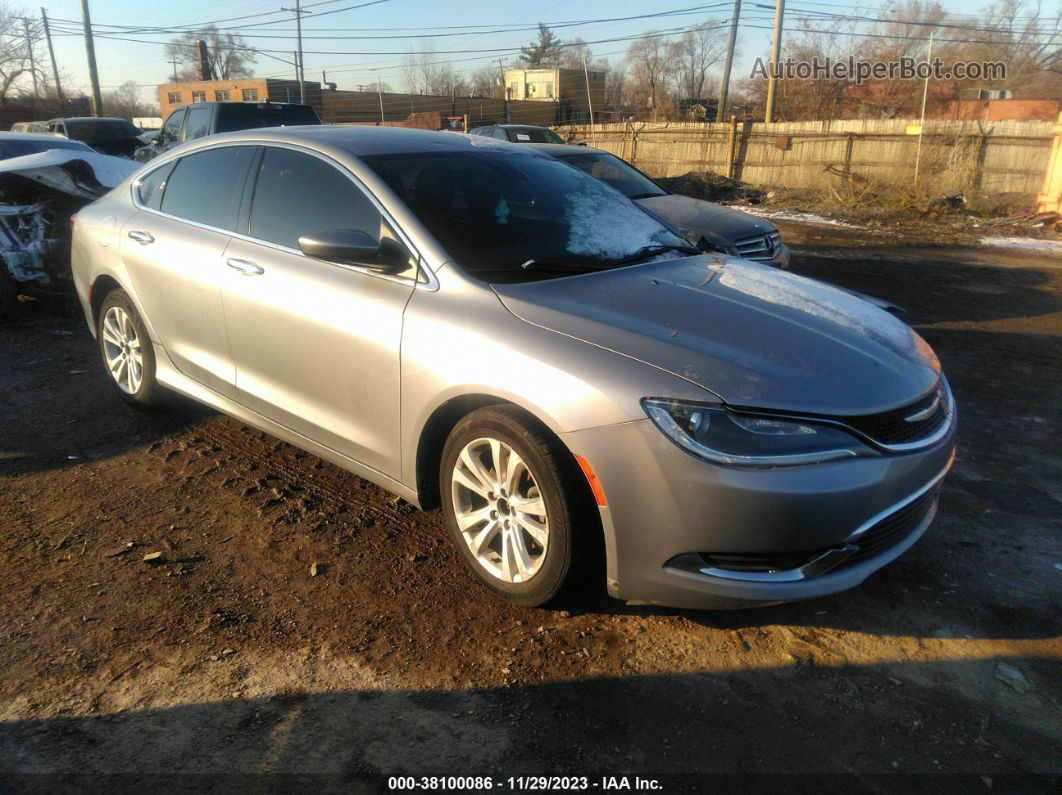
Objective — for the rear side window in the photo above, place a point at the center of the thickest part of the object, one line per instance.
(149, 189)
(206, 187)
(250, 117)
(298, 194)
(198, 123)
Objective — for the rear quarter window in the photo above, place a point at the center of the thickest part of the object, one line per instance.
(150, 187)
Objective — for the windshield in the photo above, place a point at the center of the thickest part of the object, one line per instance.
(620, 175)
(10, 148)
(248, 117)
(94, 131)
(506, 216)
(533, 135)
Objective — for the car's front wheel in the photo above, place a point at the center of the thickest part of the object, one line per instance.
(511, 504)
(126, 350)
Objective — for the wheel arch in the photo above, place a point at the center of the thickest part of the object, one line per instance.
(101, 287)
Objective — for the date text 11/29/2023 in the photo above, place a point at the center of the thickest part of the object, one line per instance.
(523, 783)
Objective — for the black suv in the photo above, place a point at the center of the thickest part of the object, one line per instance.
(206, 118)
(109, 136)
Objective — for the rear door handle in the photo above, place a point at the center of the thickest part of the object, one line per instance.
(246, 267)
(143, 238)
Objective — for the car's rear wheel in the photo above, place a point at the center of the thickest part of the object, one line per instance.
(511, 504)
(126, 350)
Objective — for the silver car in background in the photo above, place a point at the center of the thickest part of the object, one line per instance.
(474, 325)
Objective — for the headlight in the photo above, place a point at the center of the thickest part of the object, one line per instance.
(723, 437)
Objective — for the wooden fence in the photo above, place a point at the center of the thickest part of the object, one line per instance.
(978, 158)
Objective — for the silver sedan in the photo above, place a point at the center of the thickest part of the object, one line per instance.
(476, 326)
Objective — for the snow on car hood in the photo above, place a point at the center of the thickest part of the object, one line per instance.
(755, 336)
(51, 168)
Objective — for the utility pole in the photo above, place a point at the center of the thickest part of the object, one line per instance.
(724, 91)
(379, 96)
(173, 60)
(922, 120)
(776, 51)
(33, 62)
(90, 51)
(51, 54)
(300, 70)
(589, 104)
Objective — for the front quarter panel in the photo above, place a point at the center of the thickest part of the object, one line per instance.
(461, 340)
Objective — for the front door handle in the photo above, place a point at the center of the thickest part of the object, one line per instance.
(246, 267)
(143, 238)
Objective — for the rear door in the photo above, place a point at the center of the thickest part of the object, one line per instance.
(174, 248)
(316, 344)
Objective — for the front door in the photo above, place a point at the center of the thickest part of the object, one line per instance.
(316, 344)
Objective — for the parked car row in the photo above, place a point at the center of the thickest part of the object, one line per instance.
(487, 328)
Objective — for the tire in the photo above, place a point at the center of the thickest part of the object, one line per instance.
(125, 350)
(540, 543)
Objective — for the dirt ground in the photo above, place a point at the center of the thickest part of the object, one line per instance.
(229, 658)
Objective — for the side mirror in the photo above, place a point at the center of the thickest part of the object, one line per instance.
(353, 247)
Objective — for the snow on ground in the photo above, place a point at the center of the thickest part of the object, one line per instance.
(795, 215)
(1029, 243)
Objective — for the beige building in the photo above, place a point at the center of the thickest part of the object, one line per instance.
(243, 89)
(572, 91)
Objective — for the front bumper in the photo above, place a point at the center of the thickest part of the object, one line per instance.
(669, 513)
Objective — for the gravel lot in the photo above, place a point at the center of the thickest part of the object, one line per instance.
(228, 656)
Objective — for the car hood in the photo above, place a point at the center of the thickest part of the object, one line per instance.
(755, 336)
(701, 217)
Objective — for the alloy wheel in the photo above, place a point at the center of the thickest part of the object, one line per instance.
(121, 350)
(500, 510)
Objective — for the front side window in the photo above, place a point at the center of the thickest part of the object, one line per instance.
(171, 130)
(198, 123)
(250, 95)
(298, 194)
(198, 96)
(205, 187)
(615, 172)
(508, 216)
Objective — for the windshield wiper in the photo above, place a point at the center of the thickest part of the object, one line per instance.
(646, 252)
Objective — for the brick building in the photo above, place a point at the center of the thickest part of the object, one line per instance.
(243, 89)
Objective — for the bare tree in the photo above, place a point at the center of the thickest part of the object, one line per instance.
(486, 82)
(125, 102)
(14, 54)
(378, 87)
(574, 54)
(422, 72)
(616, 84)
(695, 54)
(1028, 41)
(650, 62)
(228, 54)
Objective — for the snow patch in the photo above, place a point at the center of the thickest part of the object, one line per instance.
(1027, 243)
(602, 223)
(819, 300)
(800, 217)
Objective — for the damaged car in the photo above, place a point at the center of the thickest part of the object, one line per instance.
(44, 180)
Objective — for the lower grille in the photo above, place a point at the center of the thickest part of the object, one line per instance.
(894, 528)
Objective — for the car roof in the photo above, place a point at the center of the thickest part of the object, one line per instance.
(87, 118)
(365, 141)
(49, 138)
(567, 149)
(521, 127)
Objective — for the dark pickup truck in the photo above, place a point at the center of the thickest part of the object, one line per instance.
(206, 118)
